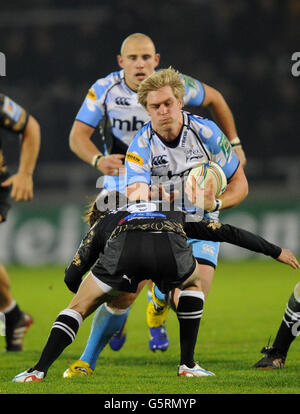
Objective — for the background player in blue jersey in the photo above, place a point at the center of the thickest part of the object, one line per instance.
(111, 104)
(19, 187)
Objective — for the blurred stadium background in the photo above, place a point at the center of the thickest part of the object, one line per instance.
(56, 49)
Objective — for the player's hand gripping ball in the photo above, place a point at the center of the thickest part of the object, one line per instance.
(210, 170)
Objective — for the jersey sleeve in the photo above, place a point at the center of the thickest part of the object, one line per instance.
(194, 91)
(92, 109)
(216, 231)
(218, 145)
(12, 116)
(86, 255)
(138, 159)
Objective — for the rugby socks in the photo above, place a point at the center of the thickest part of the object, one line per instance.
(290, 325)
(62, 334)
(189, 312)
(105, 324)
(13, 315)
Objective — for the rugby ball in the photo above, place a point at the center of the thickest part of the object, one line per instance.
(204, 172)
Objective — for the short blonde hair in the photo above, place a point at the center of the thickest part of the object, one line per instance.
(163, 77)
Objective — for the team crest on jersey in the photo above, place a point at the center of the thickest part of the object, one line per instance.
(134, 158)
(193, 154)
(91, 94)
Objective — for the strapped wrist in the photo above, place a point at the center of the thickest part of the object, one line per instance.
(96, 159)
(217, 205)
(236, 142)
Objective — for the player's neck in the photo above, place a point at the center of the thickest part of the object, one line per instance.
(170, 133)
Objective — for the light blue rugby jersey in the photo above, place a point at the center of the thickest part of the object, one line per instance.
(199, 141)
(110, 98)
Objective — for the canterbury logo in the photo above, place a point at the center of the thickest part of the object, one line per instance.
(122, 101)
(159, 160)
(134, 158)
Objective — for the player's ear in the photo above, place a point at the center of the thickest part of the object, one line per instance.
(120, 61)
(157, 59)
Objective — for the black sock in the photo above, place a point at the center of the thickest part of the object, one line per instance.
(12, 317)
(189, 312)
(290, 326)
(62, 334)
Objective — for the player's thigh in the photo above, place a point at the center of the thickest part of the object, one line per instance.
(126, 299)
(89, 296)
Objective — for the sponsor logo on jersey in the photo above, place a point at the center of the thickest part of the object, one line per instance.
(91, 94)
(11, 109)
(144, 215)
(160, 161)
(128, 125)
(121, 100)
(207, 248)
(225, 145)
(189, 81)
(193, 154)
(183, 141)
(134, 158)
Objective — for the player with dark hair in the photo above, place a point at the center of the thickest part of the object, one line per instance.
(275, 355)
(19, 187)
(112, 105)
(135, 239)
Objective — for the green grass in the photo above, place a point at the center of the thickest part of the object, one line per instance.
(243, 310)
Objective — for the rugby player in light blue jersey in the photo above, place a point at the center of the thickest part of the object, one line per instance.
(111, 104)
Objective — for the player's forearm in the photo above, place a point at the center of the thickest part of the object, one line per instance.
(224, 118)
(250, 241)
(236, 191)
(30, 147)
(216, 231)
(81, 144)
(220, 112)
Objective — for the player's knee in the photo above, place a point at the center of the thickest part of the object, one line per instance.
(122, 301)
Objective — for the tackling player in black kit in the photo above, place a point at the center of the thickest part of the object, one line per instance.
(19, 187)
(142, 239)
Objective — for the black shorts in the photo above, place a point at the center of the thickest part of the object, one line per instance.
(4, 197)
(133, 256)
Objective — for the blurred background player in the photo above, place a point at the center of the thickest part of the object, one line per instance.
(112, 105)
(19, 187)
(275, 355)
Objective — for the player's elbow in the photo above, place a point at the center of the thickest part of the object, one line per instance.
(33, 129)
(245, 190)
(72, 141)
(213, 98)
